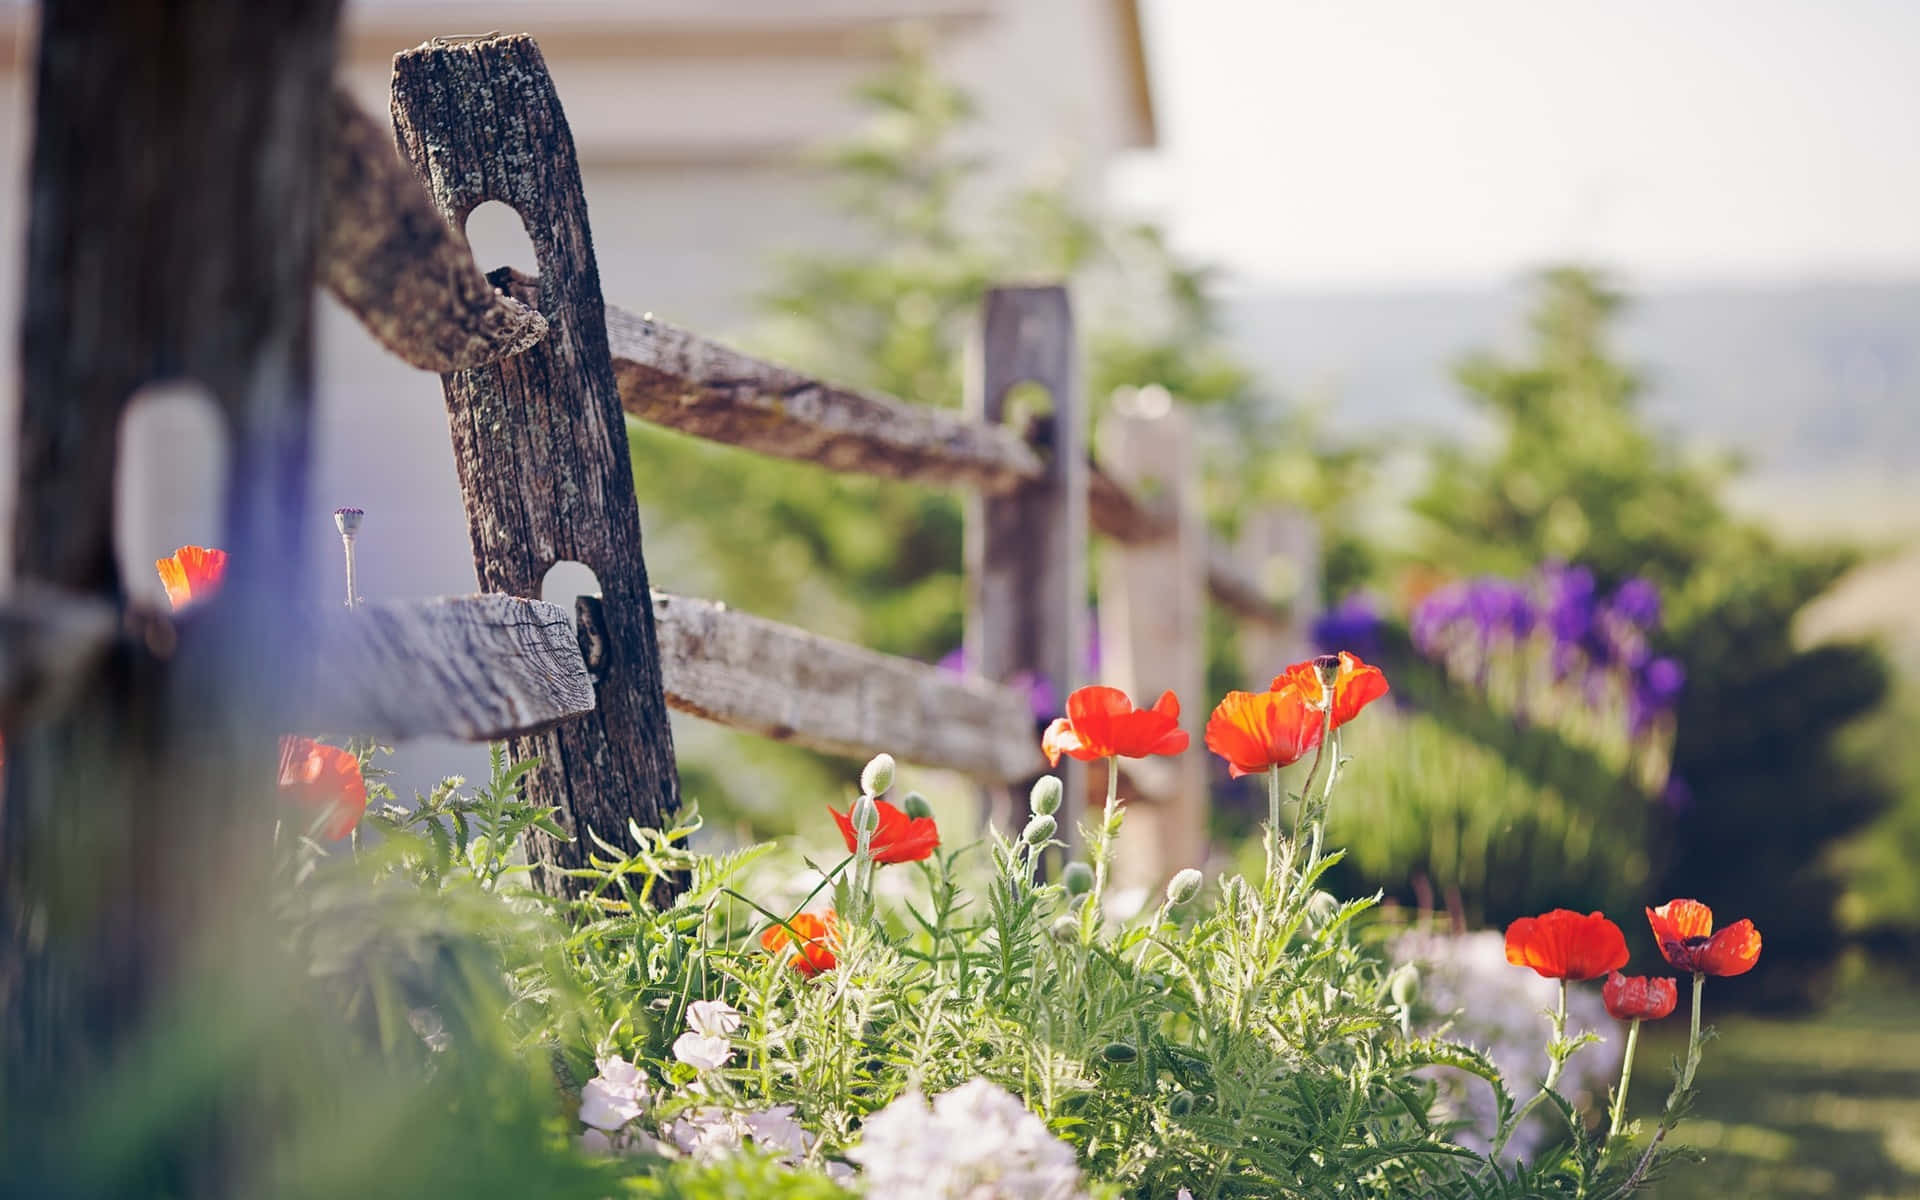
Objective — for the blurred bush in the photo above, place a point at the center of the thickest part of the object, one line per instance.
(1573, 474)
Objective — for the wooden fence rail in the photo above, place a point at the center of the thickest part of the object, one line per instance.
(538, 373)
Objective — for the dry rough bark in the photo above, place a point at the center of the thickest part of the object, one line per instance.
(794, 686)
(539, 438)
(392, 260)
(478, 668)
(1027, 551)
(174, 214)
(672, 377)
(678, 379)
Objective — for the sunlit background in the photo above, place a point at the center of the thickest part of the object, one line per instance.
(1302, 217)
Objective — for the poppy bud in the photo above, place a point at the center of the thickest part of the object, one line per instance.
(1404, 985)
(915, 806)
(878, 775)
(1321, 907)
(1064, 929)
(865, 815)
(1184, 886)
(1044, 799)
(1119, 1052)
(1181, 1104)
(1078, 878)
(1039, 830)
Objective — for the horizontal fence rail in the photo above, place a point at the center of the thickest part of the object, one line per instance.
(795, 686)
(680, 380)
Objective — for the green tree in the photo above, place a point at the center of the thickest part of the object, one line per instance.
(1575, 473)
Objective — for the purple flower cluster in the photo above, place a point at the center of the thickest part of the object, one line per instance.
(1590, 641)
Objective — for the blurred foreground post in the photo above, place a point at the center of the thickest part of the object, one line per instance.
(1027, 549)
(539, 438)
(1153, 629)
(175, 210)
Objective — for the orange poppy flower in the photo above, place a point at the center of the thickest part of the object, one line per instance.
(1638, 997)
(1257, 730)
(899, 838)
(325, 780)
(1562, 944)
(1101, 722)
(191, 573)
(813, 953)
(1354, 687)
(1684, 929)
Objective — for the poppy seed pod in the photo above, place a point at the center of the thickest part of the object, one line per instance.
(1184, 886)
(1181, 1105)
(1039, 830)
(915, 805)
(1404, 985)
(1119, 1052)
(865, 815)
(1044, 799)
(877, 777)
(1077, 878)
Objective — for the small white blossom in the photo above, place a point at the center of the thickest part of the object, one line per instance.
(775, 1130)
(976, 1142)
(713, 1018)
(617, 1095)
(708, 1133)
(702, 1053)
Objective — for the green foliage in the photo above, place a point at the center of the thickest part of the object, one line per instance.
(879, 562)
(1574, 473)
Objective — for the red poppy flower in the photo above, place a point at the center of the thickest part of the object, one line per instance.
(1684, 929)
(325, 780)
(1101, 723)
(1562, 944)
(813, 953)
(1354, 687)
(1257, 730)
(191, 573)
(1638, 997)
(900, 838)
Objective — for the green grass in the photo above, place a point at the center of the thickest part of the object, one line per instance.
(1827, 1105)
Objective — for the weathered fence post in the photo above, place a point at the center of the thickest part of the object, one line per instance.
(539, 438)
(1153, 628)
(176, 207)
(1027, 549)
(1281, 547)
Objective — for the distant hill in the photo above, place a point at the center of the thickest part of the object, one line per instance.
(1816, 385)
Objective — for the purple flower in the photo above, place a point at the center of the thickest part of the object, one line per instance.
(1569, 602)
(1353, 624)
(1661, 680)
(1638, 600)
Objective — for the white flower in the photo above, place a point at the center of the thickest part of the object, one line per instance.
(976, 1142)
(616, 1095)
(708, 1133)
(702, 1053)
(775, 1130)
(712, 1018)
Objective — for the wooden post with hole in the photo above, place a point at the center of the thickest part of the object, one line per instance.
(176, 208)
(539, 438)
(1027, 549)
(1281, 546)
(1153, 629)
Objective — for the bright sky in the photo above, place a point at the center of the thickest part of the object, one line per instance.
(1368, 142)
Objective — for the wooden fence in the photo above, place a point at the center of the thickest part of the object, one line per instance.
(540, 375)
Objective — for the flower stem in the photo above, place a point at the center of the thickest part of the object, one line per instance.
(1626, 1079)
(1275, 795)
(1557, 1059)
(1102, 854)
(1681, 1087)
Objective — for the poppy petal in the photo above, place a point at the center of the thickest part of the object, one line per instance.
(1732, 951)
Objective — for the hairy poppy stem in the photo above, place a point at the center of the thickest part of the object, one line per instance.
(1626, 1079)
(1275, 795)
(1557, 1059)
(1102, 855)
